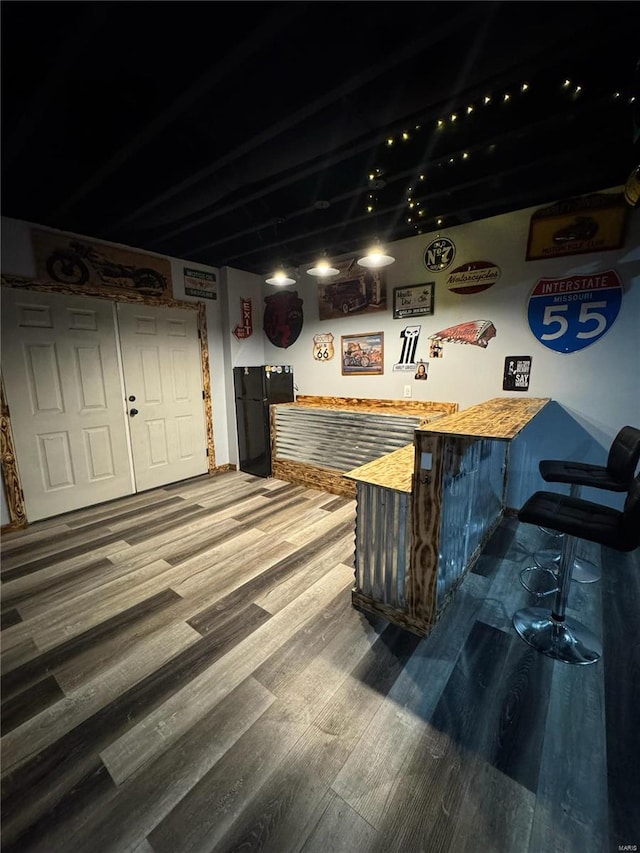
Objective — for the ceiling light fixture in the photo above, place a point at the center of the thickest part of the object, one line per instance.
(376, 257)
(280, 278)
(323, 269)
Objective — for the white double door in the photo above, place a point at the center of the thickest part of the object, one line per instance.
(105, 398)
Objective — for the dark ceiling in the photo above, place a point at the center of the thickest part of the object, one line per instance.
(245, 133)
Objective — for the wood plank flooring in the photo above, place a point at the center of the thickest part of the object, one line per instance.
(182, 670)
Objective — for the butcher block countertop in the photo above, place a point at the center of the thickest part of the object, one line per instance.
(501, 418)
(424, 409)
(393, 471)
(498, 418)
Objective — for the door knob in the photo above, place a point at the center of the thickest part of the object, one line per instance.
(133, 412)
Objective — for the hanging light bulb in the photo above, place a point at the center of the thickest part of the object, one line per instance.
(322, 268)
(376, 257)
(280, 278)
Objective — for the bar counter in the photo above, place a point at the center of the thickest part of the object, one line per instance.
(315, 440)
(425, 512)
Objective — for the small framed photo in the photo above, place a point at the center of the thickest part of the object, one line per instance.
(363, 354)
(415, 300)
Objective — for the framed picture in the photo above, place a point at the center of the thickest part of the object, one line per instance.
(363, 354)
(415, 300)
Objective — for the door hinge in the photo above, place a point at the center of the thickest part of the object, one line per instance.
(203, 397)
(207, 451)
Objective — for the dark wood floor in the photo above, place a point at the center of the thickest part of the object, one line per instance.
(183, 671)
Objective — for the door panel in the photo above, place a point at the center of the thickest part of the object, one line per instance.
(60, 367)
(162, 371)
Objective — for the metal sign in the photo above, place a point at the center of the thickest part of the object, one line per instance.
(569, 314)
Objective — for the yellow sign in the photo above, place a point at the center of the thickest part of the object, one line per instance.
(577, 226)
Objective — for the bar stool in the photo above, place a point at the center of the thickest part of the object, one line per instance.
(553, 633)
(616, 476)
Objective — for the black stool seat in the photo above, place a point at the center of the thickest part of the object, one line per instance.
(581, 474)
(554, 633)
(615, 476)
(583, 519)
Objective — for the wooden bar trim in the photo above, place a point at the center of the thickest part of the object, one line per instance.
(425, 544)
(313, 477)
(8, 465)
(364, 404)
(206, 384)
(399, 617)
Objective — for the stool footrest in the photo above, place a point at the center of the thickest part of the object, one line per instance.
(539, 581)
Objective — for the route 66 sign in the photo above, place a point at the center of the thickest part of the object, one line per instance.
(323, 347)
(439, 254)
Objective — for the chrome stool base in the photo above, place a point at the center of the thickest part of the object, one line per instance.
(567, 640)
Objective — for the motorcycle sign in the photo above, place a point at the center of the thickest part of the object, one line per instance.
(71, 266)
(569, 314)
(77, 263)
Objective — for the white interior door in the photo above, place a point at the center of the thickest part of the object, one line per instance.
(64, 391)
(164, 392)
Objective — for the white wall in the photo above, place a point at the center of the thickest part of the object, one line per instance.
(595, 391)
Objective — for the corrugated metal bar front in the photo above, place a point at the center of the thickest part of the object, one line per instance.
(472, 501)
(383, 539)
(339, 439)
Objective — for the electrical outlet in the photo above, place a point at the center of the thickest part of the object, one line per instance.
(407, 390)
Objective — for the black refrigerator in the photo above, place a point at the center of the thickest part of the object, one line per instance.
(256, 388)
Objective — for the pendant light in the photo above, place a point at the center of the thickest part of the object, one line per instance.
(322, 268)
(376, 257)
(280, 278)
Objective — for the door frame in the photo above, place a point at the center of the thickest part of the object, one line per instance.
(8, 463)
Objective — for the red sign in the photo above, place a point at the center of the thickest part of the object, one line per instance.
(246, 329)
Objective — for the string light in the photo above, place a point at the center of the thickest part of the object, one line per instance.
(442, 124)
